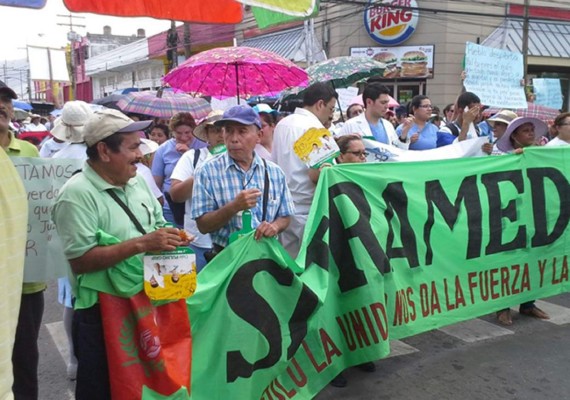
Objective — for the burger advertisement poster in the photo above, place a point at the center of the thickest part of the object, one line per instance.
(391, 22)
(401, 62)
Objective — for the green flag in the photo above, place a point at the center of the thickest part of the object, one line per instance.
(266, 18)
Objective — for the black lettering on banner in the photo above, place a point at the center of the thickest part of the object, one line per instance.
(351, 277)
(467, 194)
(254, 309)
(537, 176)
(492, 182)
(318, 249)
(397, 203)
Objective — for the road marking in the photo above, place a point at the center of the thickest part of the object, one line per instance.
(399, 348)
(558, 315)
(59, 337)
(57, 332)
(475, 330)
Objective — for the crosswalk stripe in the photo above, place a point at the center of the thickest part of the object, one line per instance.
(475, 330)
(57, 332)
(558, 315)
(399, 348)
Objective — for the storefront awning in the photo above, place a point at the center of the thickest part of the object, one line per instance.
(289, 44)
(545, 38)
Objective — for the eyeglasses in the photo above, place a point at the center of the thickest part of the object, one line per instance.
(358, 153)
(426, 106)
(564, 124)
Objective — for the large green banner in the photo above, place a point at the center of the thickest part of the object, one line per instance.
(390, 251)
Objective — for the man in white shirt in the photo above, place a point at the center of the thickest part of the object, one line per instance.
(372, 123)
(35, 125)
(318, 107)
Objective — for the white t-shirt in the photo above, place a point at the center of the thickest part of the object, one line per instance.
(183, 170)
(287, 131)
(73, 150)
(50, 147)
(557, 142)
(147, 175)
(35, 128)
(262, 152)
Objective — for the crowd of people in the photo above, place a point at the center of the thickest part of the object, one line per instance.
(204, 177)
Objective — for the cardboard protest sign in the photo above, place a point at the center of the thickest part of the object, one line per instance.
(390, 250)
(548, 92)
(495, 76)
(43, 178)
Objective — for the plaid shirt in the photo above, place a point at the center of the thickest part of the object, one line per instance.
(220, 180)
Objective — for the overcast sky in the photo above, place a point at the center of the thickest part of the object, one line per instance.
(21, 26)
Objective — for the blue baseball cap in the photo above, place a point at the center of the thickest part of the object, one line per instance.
(242, 114)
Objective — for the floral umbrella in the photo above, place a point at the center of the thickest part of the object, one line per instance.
(543, 113)
(344, 71)
(235, 71)
(163, 104)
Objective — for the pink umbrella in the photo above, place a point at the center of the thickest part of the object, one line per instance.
(358, 100)
(235, 71)
(543, 113)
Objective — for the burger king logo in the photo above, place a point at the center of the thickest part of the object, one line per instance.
(389, 22)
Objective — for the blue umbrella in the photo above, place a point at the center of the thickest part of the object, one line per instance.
(22, 105)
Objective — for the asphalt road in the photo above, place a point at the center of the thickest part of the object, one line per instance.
(473, 360)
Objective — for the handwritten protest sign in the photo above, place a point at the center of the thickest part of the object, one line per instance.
(43, 178)
(495, 76)
(548, 92)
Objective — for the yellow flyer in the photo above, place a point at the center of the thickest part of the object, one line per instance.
(316, 147)
(170, 275)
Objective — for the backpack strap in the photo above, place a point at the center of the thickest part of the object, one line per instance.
(453, 128)
(265, 191)
(196, 157)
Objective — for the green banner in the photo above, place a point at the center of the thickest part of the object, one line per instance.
(390, 250)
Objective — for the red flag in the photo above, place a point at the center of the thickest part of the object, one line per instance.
(219, 11)
(146, 345)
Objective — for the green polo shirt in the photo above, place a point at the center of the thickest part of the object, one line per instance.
(22, 148)
(87, 216)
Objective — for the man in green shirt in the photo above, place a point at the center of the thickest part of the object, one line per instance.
(83, 212)
(25, 356)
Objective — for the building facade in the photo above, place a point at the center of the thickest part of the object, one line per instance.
(440, 31)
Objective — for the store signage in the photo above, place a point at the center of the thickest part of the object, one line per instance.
(402, 61)
(391, 22)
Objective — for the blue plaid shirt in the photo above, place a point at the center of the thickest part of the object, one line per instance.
(220, 180)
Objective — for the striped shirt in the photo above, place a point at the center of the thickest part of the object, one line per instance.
(220, 180)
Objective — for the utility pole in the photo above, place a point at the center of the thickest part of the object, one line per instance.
(187, 47)
(73, 37)
(171, 47)
(525, 40)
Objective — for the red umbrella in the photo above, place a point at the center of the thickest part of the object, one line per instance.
(543, 113)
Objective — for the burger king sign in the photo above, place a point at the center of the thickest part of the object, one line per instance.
(391, 22)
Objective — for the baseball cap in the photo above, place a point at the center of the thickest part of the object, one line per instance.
(264, 108)
(5, 90)
(242, 114)
(107, 122)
